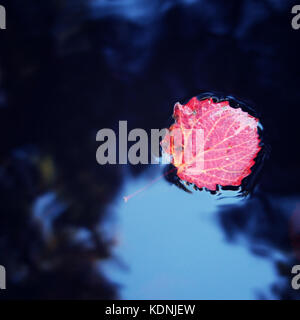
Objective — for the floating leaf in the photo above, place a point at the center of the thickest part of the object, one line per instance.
(227, 151)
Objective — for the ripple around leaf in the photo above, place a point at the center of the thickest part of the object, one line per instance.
(230, 144)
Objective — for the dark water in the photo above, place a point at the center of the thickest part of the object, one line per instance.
(68, 70)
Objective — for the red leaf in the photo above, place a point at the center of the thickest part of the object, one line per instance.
(228, 149)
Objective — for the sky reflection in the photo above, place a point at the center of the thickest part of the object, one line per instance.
(173, 248)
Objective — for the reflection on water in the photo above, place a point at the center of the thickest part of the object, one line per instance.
(173, 248)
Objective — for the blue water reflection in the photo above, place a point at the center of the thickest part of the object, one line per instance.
(173, 248)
